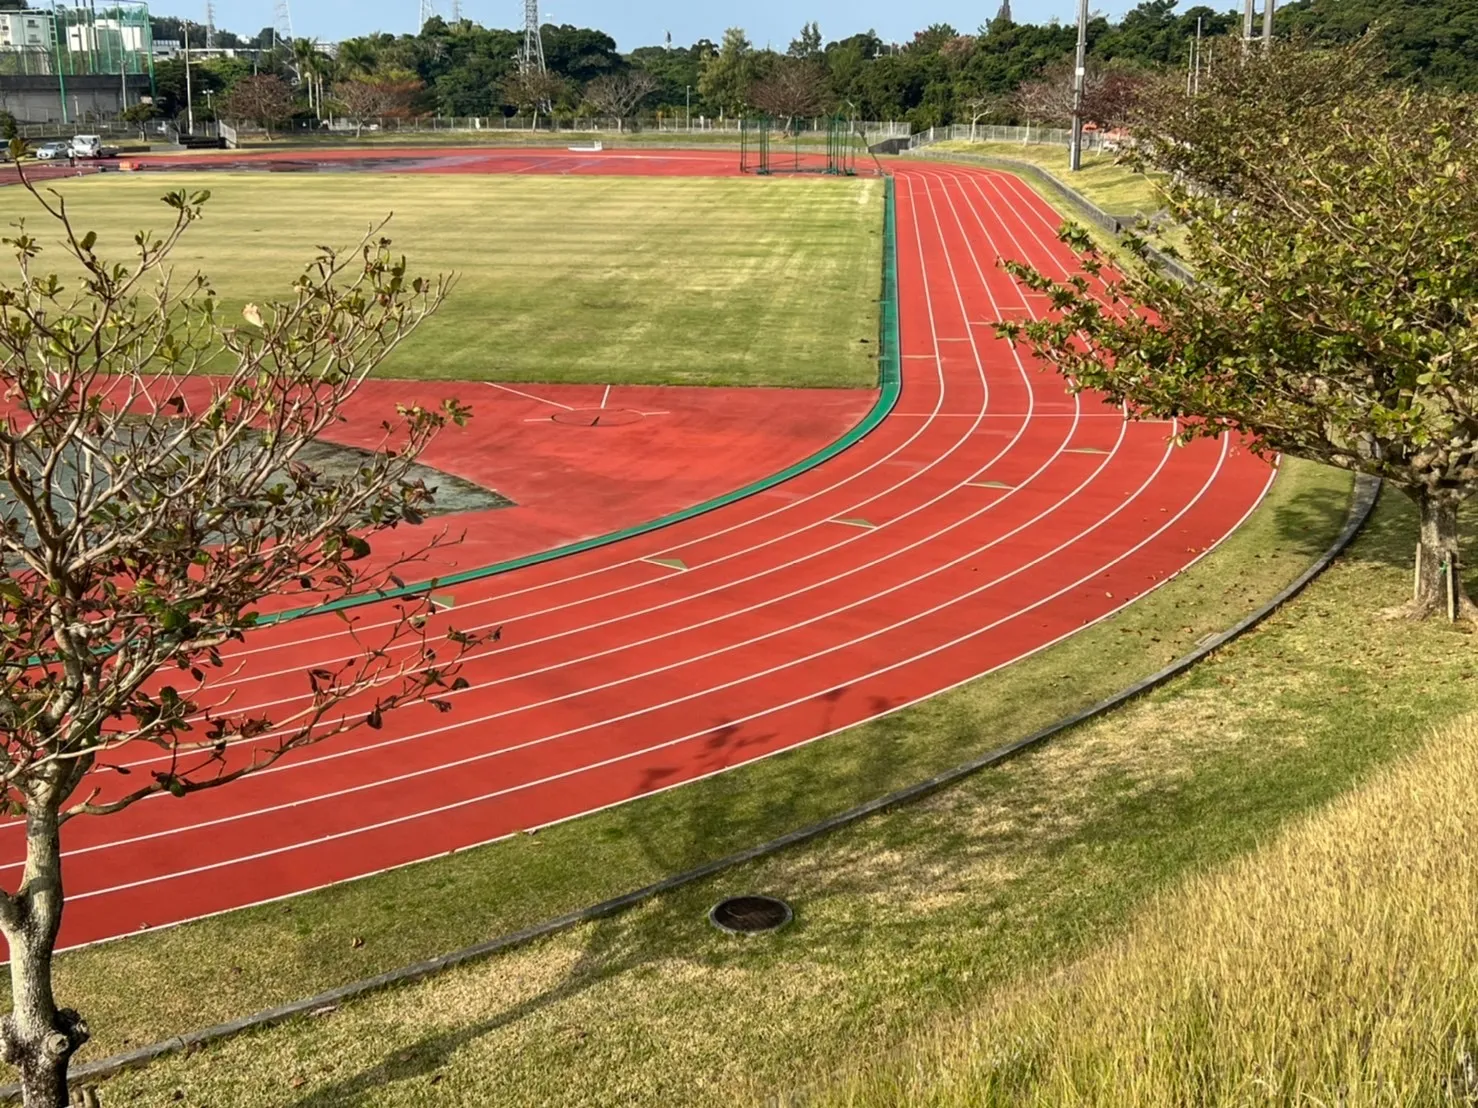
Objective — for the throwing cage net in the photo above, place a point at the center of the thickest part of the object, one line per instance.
(769, 146)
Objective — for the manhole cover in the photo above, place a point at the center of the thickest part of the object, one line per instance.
(597, 417)
(749, 915)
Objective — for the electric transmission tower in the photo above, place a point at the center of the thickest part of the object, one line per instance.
(456, 11)
(531, 57)
(283, 22)
(428, 10)
(210, 25)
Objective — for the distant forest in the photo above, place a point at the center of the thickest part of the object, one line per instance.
(1002, 72)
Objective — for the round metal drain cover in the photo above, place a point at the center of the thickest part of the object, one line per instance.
(750, 915)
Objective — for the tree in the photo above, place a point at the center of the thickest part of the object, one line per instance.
(363, 100)
(149, 512)
(620, 94)
(1109, 94)
(1331, 221)
(794, 90)
(977, 108)
(727, 75)
(806, 45)
(358, 57)
(139, 115)
(263, 99)
(532, 91)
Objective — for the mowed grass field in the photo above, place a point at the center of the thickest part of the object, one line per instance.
(601, 280)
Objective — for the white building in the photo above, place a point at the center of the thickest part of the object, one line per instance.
(27, 27)
(105, 35)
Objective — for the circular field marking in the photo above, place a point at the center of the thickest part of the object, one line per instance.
(598, 417)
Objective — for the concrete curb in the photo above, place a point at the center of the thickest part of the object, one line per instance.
(1362, 503)
(1081, 205)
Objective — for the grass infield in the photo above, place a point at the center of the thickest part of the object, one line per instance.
(891, 913)
(600, 280)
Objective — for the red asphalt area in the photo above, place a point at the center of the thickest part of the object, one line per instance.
(989, 516)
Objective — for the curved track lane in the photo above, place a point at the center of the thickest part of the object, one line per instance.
(990, 515)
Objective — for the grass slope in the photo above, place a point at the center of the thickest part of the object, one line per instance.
(1336, 965)
(842, 959)
(929, 911)
(1113, 187)
(624, 280)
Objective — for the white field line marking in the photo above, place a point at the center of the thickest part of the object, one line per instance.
(531, 396)
(605, 396)
(337, 633)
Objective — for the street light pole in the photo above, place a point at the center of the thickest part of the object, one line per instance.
(1079, 72)
(189, 101)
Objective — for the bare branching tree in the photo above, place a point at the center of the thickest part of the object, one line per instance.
(620, 94)
(1109, 94)
(264, 99)
(984, 107)
(794, 90)
(361, 100)
(153, 504)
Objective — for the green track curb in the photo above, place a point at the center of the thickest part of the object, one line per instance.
(890, 385)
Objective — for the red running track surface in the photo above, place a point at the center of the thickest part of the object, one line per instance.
(990, 515)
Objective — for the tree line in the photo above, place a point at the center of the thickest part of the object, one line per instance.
(1002, 72)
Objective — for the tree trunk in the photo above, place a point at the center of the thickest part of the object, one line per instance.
(36, 1037)
(1437, 577)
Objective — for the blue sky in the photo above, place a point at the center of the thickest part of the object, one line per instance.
(639, 22)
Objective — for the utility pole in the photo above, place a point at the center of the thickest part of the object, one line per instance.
(1248, 6)
(688, 110)
(1267, 24)
(1198, 55)
(189, 102)
(1080, 72)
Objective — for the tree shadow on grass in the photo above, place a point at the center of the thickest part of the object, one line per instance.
(693, 834)
(1306, 521)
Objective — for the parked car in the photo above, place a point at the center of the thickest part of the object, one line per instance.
(47, 151)
(91, 146)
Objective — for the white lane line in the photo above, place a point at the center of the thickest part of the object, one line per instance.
(605, 396)
(727, 725)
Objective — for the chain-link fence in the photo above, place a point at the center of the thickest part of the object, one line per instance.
(579, 125)
(1026, 136)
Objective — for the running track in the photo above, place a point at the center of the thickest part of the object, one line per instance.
(989, 516)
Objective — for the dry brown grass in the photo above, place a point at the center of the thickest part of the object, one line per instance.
(1337, 965)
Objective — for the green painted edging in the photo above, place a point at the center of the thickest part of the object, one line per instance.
(890, 381)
